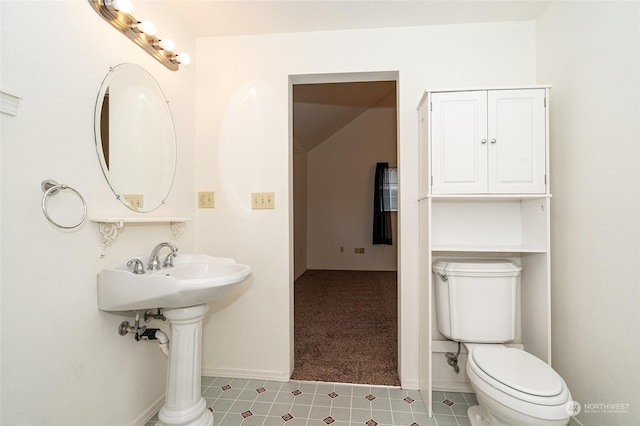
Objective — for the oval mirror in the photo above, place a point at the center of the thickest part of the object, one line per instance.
(135, 137)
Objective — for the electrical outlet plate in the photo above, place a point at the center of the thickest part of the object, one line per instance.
(358, 250)
(262, 200)
(136, 201)
(206, 200)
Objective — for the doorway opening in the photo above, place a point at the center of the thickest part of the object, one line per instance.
(345, 289)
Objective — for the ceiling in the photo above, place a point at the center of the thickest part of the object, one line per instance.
(240, 17)
(320, 110)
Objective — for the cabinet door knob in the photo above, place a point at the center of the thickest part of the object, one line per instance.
(493, 141)
(483, 141)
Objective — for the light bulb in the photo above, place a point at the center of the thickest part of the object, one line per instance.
(147, 27)
(183, 58)
(166, 44)
(124, 6)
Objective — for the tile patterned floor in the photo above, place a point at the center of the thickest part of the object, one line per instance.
(236, 402)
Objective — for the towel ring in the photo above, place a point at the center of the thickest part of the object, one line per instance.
(51, 187)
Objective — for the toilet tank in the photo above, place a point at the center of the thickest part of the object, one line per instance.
(476, 299)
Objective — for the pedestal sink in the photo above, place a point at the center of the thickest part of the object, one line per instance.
(182, 290)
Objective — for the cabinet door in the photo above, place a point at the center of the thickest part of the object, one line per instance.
(459, 142)
(517, 141)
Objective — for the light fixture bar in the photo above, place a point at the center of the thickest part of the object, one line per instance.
(128, 25)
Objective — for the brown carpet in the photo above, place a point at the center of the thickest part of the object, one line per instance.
(346, 327)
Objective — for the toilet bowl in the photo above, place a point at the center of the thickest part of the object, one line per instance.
(514, 387)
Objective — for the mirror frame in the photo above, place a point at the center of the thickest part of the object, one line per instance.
(162, 190)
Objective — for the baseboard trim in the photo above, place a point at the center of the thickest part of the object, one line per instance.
(410, 384)
(452, 387)
(148, 414)
(299, 274)
(278, 376)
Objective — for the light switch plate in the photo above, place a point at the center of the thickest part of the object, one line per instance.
(136, 201)
(206, 200)
(262, 200)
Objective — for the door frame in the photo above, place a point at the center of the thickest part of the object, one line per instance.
(322, 79)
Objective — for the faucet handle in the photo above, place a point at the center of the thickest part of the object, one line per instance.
(168, 261)
(138, 267)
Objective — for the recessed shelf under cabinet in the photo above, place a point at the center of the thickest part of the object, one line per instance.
(481, 197)
(502, 250)
(489, 225)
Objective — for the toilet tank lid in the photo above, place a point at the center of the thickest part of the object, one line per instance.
(476, 267)
(519, 370)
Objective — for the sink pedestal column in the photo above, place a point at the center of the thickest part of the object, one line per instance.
(184, 404)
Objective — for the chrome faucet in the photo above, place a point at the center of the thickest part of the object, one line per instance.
(154, 262)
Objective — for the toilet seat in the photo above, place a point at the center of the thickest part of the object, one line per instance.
(517, 374)
(518, 370)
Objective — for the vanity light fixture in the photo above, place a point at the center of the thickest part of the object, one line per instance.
(142, 33)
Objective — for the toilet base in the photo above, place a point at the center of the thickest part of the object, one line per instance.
(478, 417)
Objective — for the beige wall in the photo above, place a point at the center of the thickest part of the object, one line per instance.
(243, 133)
(590, 52)
(63, 361)
(341, 174)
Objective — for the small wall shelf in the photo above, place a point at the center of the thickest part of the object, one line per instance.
(110, 225)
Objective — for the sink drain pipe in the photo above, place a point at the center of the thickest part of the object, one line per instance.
(160, 336)
(144, 333)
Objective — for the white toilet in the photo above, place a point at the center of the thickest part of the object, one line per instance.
(476, 305)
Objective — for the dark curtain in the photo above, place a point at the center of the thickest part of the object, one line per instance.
(381, 218)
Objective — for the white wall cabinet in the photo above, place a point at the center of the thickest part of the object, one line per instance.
(488, 141)
(484, 192)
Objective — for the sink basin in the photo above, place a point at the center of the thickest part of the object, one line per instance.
(194, 279)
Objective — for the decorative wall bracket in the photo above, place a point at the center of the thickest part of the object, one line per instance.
(110, 226)
(109, 231)
(177, 229)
